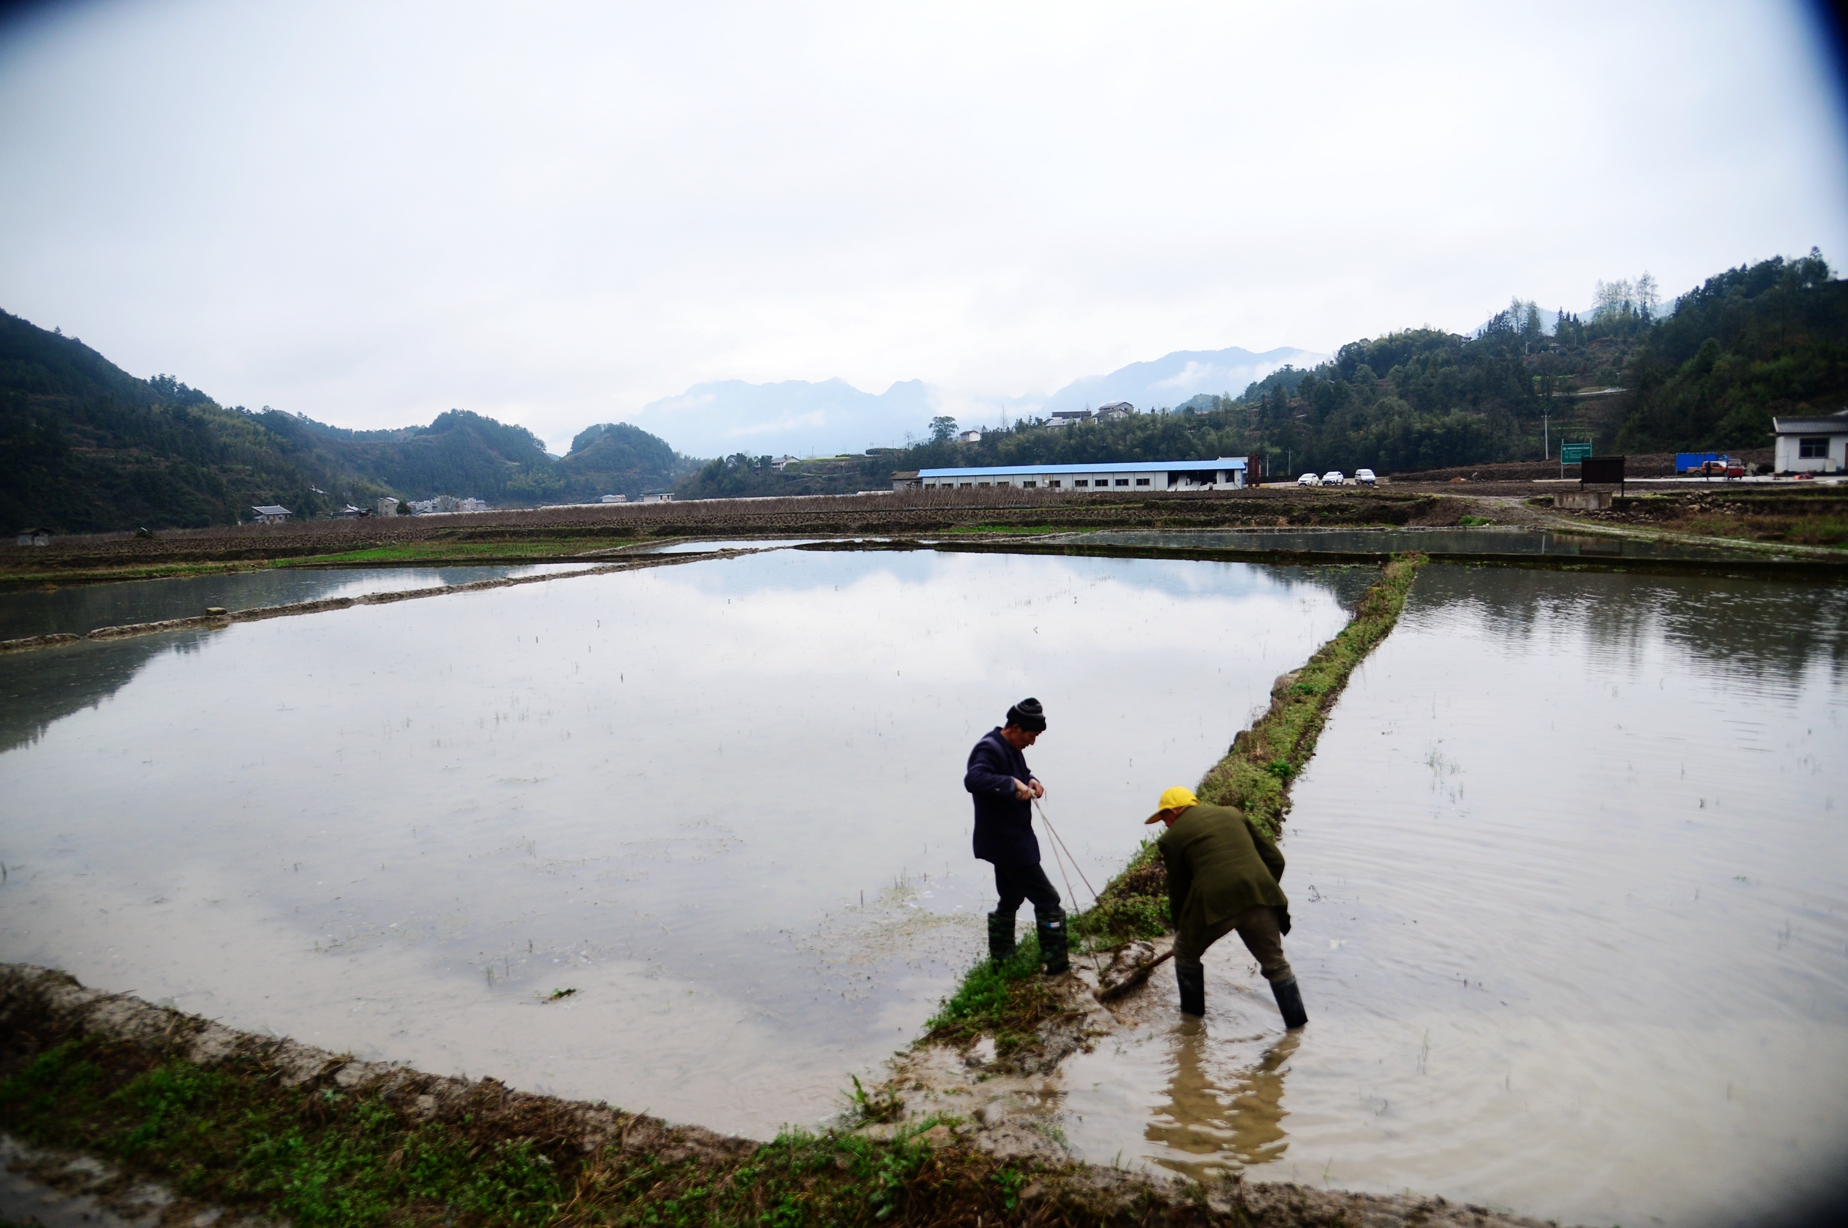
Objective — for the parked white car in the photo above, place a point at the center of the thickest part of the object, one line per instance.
(1365, 477)
(1308, 479)
(1334, 477)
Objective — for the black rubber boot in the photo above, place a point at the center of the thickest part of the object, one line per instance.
(1290, 1002)
(1051, 926)
(1193, 989)
(1000, 937)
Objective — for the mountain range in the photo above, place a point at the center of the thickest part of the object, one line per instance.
(87, 447)
(832, 417)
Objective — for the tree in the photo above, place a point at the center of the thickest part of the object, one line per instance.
(1647, 295)
(942, 429)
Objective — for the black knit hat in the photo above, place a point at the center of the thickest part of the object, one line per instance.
(1028, 715)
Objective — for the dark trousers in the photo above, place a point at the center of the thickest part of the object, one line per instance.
(1260, 927)
(1017, 883)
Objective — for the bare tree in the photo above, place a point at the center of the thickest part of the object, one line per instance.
(1615, 296)
(1647, 295)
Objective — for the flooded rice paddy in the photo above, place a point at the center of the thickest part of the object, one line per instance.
(721, 800)
(1569, 877)
(1569, 870)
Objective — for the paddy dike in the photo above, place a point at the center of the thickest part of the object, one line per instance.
(556, 534)
(217, 619)
(194, 1124)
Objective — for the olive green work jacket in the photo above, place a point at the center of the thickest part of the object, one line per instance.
(1219, 865)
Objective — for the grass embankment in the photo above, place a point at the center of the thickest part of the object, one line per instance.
(1010, 1001)
(235, 1134)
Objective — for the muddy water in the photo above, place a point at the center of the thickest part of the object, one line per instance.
(721, 801)
(1570, 886)
(83, 608)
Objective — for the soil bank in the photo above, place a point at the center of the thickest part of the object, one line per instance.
(252, 1128)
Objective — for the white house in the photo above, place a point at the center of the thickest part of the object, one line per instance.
(1812, 445)
(1126, 477)
(386, 506)
(970, 437)
(35, 537)
(270, 514)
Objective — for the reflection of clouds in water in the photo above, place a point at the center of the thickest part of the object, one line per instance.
(689, 774)
(937, 616)
(1228, 1114)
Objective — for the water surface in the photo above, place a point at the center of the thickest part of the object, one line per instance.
(721, 800)
(1569, 875)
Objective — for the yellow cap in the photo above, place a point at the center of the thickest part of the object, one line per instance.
(1175, 798)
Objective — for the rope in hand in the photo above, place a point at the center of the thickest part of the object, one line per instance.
(1057, 844)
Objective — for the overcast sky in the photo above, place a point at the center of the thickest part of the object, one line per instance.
(555, 213)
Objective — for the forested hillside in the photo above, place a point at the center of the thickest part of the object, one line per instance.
(1759, 340)
(86, 447)
(1750, 343)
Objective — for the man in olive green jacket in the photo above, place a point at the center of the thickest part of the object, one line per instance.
(1222, 876)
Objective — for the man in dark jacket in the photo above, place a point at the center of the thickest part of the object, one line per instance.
(1222, 876)
(1004, 790)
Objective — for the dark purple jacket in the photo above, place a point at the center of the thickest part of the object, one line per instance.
(1003, 823)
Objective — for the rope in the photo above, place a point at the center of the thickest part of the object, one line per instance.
(1057, 844)
(1068, 850)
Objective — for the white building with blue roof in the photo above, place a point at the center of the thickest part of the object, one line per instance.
(1128, 477)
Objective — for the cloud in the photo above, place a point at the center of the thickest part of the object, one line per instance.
(562, 215)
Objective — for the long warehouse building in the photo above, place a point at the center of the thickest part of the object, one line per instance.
(1226, 473)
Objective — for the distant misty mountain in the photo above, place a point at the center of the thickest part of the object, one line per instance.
(795, 417)
(803, 418)
(1174, 378)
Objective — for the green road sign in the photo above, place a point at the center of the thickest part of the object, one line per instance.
(1573, 453)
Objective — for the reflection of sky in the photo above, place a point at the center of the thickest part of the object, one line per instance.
(684, 777)
(1570, 887)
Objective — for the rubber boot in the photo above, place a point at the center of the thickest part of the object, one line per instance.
(1193, 988)
(1051, 926)
(1290, 1002)
(1000, 937)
